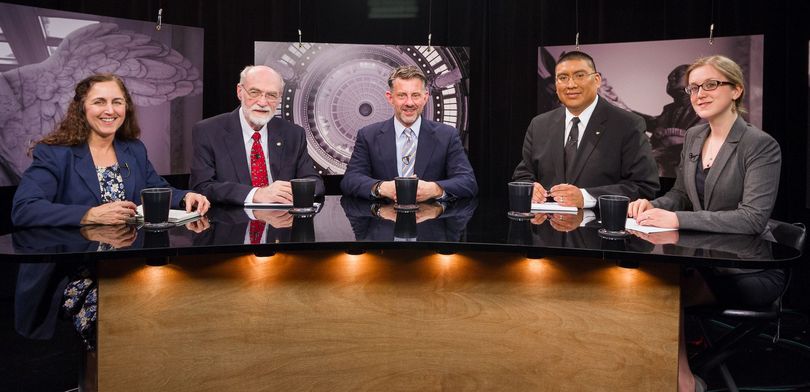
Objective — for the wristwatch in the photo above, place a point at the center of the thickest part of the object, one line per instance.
(375, 209)
(375, 190)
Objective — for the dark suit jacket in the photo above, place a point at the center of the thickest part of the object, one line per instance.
(61, 184)
(220, 169)
(741, 186)
(614, 156)
(440, 157)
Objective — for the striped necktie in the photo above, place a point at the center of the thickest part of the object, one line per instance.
(408, 152)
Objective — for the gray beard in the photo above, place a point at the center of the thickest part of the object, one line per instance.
(259, 121)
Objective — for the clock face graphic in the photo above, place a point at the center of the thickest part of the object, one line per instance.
(333, 90)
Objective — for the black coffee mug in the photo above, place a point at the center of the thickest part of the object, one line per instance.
(520, 200)
(156, 204)
(613, 213)
(303, 190)
(406, 193)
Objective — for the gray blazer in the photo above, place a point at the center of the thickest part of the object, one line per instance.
(741, 186)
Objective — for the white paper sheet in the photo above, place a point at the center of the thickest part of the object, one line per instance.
(553, 207)
(633, 225)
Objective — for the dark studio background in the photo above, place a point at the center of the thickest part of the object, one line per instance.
(503, 37)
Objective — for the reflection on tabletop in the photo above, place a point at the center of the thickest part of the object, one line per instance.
(574, 231)
(237, 225)
(97, 238)
(49, 294)
(345, 220)
(434, 221)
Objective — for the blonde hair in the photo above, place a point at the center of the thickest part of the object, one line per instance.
(729, 69)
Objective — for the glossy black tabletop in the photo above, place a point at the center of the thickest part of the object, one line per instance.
(355, 225)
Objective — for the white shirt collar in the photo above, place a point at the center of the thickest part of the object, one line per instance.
(584, 117)
(399, 128)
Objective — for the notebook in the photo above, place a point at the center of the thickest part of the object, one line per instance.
(175, 216)
(554, 207)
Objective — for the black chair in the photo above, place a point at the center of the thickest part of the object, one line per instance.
(750, 321)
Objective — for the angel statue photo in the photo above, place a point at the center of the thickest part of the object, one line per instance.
(37, 81)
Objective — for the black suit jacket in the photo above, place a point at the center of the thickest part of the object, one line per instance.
(220, 169)
(614, 156)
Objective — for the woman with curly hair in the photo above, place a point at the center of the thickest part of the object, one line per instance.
(92, 167)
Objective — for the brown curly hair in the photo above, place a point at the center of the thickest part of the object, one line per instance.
(74, 129)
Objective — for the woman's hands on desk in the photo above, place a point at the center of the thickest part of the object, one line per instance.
(113, 213)
(647, 215)
(196, 201)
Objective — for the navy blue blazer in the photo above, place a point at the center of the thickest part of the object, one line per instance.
(61, 184)
(440, 157)
(220, 170)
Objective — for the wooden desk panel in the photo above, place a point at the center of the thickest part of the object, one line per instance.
(392, 320)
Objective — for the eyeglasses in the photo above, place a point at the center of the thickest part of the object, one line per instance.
(708, 85)
(578, 77)
(255, 94)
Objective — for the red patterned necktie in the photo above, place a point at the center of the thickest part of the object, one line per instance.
(258, 178)
(258, 166)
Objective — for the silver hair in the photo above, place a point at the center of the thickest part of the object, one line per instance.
(243, 74)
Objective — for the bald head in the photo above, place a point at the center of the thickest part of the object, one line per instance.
(260, 71)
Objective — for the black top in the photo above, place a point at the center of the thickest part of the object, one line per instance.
(353, 225)
(700, 181)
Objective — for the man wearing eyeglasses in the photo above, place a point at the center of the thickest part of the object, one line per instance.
(588, 147)
(408, 145)
(249, 155)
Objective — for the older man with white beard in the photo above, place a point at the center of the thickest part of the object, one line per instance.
(249, 155)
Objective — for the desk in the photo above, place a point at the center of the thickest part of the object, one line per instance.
(400, 316)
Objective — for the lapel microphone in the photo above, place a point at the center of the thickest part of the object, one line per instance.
(693, 157)
(126, 165)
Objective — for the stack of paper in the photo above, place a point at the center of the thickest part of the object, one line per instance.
(175, 216)
(553, 207)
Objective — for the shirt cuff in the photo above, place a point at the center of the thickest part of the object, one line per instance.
(249, 198)
(588, 200)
